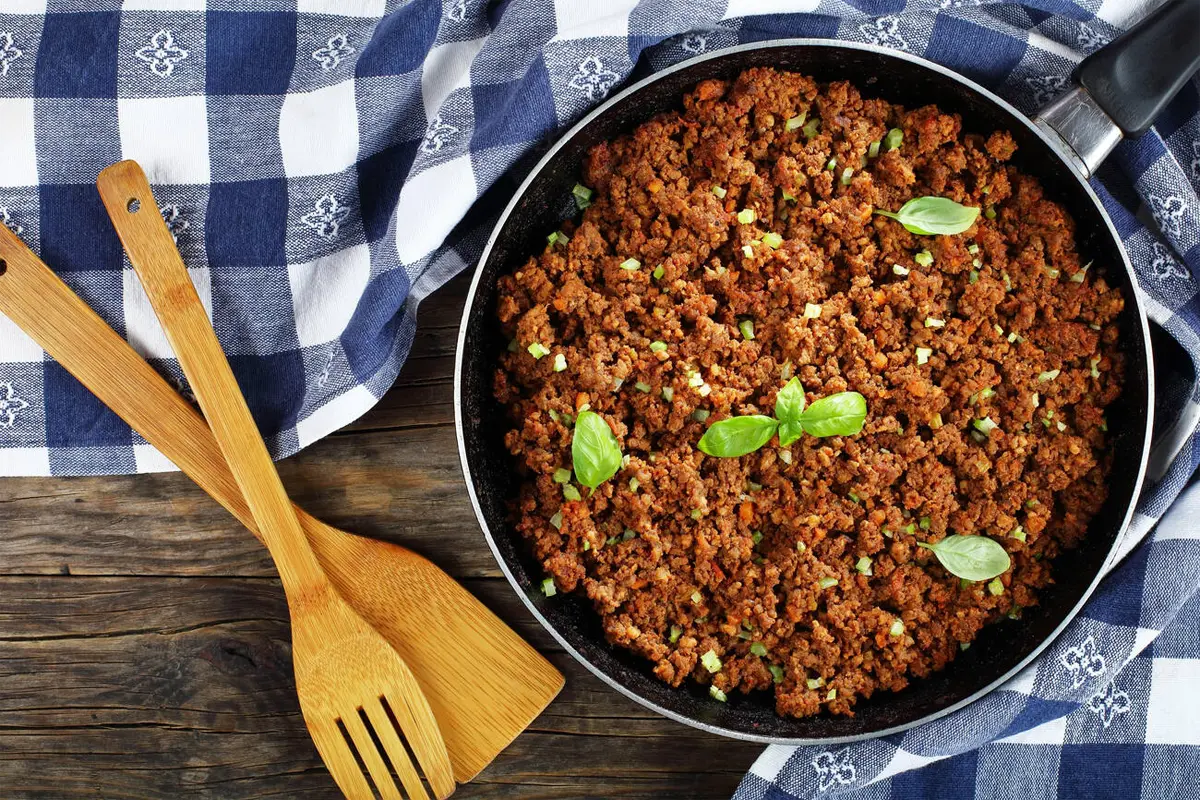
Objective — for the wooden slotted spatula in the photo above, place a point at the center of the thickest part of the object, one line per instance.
(348, 678)
(484, 683)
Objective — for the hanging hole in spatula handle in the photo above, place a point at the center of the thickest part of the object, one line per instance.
(3, 267)
(134, 205)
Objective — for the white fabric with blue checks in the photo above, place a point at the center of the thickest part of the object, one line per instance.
(325, 164)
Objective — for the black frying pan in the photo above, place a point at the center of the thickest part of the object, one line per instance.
(1124, 86)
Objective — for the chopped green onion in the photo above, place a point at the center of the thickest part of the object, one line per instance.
(558, 237)
(975, 262)
(893, 139)
(812, 311)
(710, 661)
(1095, 364)
(1061, 426)
(1015, 337)
(747, 251)
(810, 128)
(826, 583)
(1081, 274)
(583, 196)
(668, 394)
(986, 393)
(788, 196)
(570, 492)
(796, 122)
(772, 240)
(831, 163)
(1007, 281)
(658, 272)
(990, 212)
(1018, 533)
(987, 189)
(719, 191)
(910, 529)
(676, 632)
(853, 497)
(751, 486)
(1032, 502)
(897, 628)
(935, 422)
(1093, 326)
(1051, 272)
(657, 346)
(553, 415)
(630, 264)
(924, 522)
(556, 520)
(560, 362)
(785, 456)
(758, 649)
(973, 249)
(933, 322)
(923, 354)
(537, 350)
(863, 565)
(562, 475)
(1049, 375)
(705, 390)
(996, 587)
(973, 276)
(696, 598)
(746, 326)
(700, 414)
(815, 683)
(776, 672)
(899, 270)
(628, 534)
(634, 483)
(756, 537)
(548, 587)
(985, 426)
(716, 694)
(746, 216)
(642, 387)
(1104, 424)
(801, 547)
(832, 695)
(513, 346)
(847, 174)
(873, 149)
(924, 258)
(964, 646)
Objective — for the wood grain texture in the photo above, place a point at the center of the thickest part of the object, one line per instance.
(346, 672)
(140, 674)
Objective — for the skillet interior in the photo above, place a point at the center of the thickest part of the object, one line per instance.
(545, 200)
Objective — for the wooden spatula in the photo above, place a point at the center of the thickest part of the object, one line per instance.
(484, 683)
(350, 681)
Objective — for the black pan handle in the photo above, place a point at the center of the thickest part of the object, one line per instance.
(1139, 72)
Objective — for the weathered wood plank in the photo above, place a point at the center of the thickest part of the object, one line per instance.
(106, 681)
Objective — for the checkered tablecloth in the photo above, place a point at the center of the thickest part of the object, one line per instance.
(325, 164)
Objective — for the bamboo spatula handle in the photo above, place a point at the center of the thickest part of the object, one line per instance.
(131, 206)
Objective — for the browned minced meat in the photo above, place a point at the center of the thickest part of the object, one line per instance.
(677, 547)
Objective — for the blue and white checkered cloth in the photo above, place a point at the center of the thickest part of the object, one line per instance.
(323, 165)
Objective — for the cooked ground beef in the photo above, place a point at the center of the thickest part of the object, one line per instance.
(730, 552)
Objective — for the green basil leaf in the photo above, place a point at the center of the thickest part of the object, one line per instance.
(974, 558)
(790, 432)
(595, 454)
(789, 403)
(737, 436)
(927, 216)
(840, 414)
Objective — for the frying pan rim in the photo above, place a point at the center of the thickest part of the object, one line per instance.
(603, 108)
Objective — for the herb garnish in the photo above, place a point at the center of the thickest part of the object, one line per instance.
(840, 414)
(974, 558)
(595, 453)
(928, 216)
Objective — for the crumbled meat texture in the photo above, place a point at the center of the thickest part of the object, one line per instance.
(915, 472)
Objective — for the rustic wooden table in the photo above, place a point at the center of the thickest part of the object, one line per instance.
(145, 636)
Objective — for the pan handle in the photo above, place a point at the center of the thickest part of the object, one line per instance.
(1123, 86)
